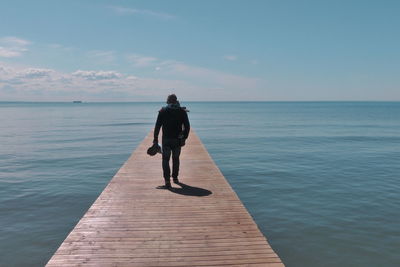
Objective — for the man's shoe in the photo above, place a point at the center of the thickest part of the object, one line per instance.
(168, 185)
(175, 180)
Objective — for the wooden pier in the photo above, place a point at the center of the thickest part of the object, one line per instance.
(200, 222)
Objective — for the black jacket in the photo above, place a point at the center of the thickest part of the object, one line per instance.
(174, 121)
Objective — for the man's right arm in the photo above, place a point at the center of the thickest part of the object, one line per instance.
(157, 127)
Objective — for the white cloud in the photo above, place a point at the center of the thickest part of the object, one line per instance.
(102, 56)
(35, 73)
(12, 46)
(6, 73)
(35, 84)
(7, 52)
(14, 41)
(163, 77)
(21, 83)
(134, 11)
(97, 75)
(24, 79)
(60, 47)
(213, 78)
(199, 76)
(231, 57)
(141, 61)
(3, 69)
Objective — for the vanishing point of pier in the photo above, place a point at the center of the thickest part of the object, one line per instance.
(200, 222)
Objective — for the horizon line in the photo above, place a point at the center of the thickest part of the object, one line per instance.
(200, 101)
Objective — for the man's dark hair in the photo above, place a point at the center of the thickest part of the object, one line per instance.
(172, 99)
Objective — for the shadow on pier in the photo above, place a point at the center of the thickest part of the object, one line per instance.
(188, 190)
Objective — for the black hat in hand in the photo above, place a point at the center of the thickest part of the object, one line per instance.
(154, 149)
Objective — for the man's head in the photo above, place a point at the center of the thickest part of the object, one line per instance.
(172, 99)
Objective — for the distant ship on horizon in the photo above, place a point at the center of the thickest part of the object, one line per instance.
(77, 101)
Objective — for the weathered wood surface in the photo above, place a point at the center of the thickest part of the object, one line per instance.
(199, 223)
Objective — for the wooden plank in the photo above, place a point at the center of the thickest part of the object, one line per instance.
(200, 222)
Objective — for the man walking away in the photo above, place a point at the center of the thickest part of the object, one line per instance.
(175, 124)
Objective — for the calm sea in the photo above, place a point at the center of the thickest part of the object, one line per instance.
(321, 179)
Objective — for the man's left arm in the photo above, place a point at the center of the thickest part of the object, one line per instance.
(186, 125)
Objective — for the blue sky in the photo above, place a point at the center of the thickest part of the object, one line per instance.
(201, 50)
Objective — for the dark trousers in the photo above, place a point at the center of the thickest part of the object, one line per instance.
(170, 146)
